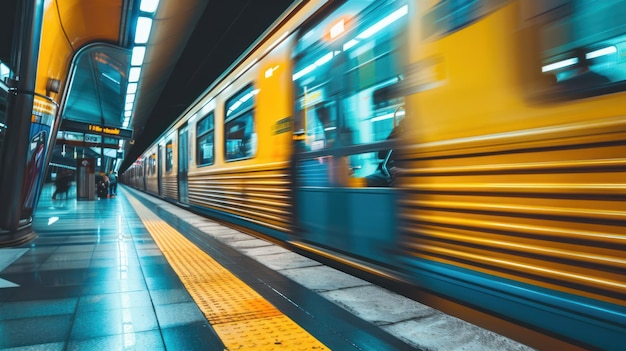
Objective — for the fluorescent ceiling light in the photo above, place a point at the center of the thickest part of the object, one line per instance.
(602, 52)
(132, 88)
(310, 68)
(149, 5)
(133, 75)
(337, 29)
(138, 54)
(129, 106)
(349, 44)
(142, 33)
(322, 60)
(110, 78)
(4, 69)
(560, 64)
(387, 116)
(127, 113)
(384, 22)
(306, 70)
(241, 100)
(130, 98)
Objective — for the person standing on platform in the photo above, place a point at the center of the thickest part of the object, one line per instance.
(62, 183)
(102, 187)
(112, 184)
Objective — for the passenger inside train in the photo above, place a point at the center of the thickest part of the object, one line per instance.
(388, 170)
(581, 54)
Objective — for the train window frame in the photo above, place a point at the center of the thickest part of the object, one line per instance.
(205, 136)
(169, 156)
(239, 112)
(152, 164)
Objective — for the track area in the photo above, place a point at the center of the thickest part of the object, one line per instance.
(338, 310)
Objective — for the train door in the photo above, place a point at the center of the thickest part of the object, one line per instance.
(347, 67)
(159, 169)
(144, 173)
(183, 165)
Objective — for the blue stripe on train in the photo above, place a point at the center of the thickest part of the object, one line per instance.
(578, 319)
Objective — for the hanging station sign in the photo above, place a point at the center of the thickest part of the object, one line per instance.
(115, 132)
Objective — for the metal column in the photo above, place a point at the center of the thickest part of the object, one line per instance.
(19, 111)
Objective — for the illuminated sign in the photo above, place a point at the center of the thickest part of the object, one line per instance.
(105, 130)
(74, 126)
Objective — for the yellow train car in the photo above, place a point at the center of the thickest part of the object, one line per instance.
(237, 137)
(514, 169)
(473, 150)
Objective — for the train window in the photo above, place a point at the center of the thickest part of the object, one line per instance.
(583, 47)
(205, 140)
(239, 133)
(169, 156)
(152, 164)
(336, 80)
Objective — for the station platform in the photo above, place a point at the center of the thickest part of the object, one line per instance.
(136, 273)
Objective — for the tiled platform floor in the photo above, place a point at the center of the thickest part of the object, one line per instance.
(94, 280)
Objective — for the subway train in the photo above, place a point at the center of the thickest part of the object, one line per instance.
(473, 150)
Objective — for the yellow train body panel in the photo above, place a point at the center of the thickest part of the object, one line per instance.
(80, 22)
(257, 188)
(504, 184)
(259, 193)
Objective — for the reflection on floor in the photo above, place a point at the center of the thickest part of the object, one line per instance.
(94, 280)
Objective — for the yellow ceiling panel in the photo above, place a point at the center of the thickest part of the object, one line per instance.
(90, 21)
(68, 25)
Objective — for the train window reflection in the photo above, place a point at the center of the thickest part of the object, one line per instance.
(169, 156)
(240, 136)
(205, 142)
(582, 48)
(337, 80)
(241, 101)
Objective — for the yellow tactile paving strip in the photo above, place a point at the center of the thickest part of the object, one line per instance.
(242, 318)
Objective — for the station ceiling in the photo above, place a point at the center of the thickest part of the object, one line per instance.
(225, 29)
(191, 43)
